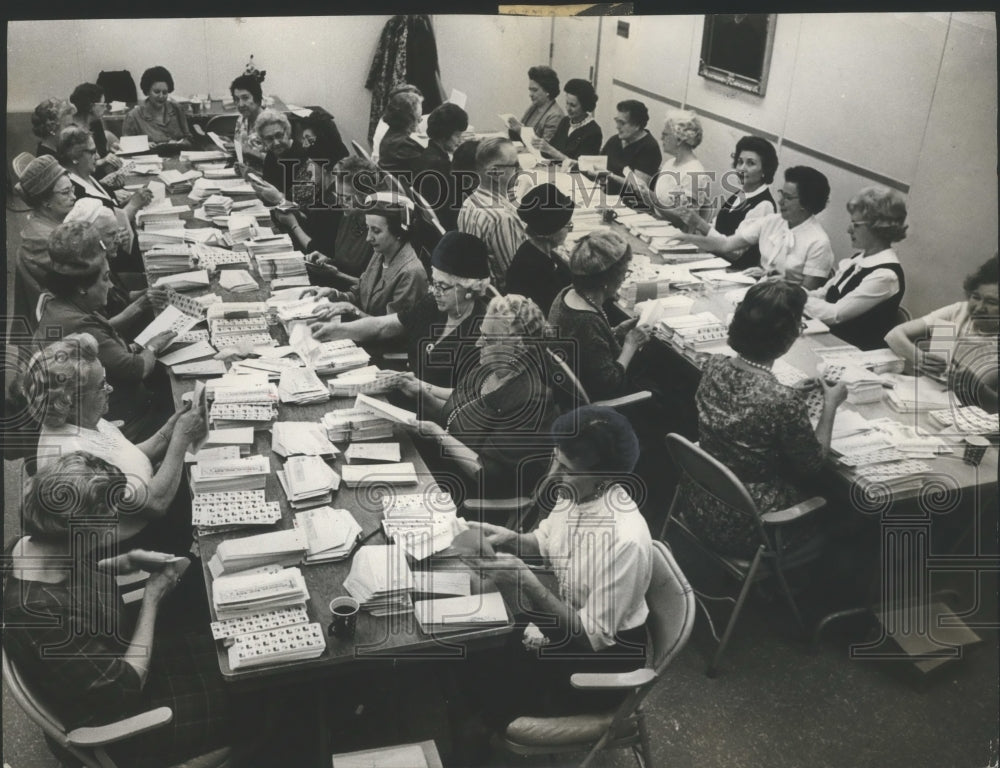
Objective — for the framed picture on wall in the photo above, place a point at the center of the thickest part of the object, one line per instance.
(736, 50)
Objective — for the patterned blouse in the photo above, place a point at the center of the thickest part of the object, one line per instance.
(760, 429)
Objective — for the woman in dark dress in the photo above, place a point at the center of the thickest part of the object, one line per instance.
(399, 152)
(50, 117)
(756, 426)
(755, 162)
(539, 269)
(577, 133)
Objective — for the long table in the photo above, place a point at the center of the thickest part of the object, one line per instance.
(377, 640)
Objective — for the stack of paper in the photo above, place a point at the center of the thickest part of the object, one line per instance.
(422, 523)
(249, 389)
(358, 453)
(380, 579)
(170, 319)
(237, 281)
(166, 260)
(295, 309)
(273, 265)
(234, 188)
(163, 213)
(301, 386)
(913, 394)
(368, 381)
(243, 594)
(239, 331)
(968, 420)
(185, 281)
(875, 360)
(691, 332)
(211, 171)
(199, 369)
(269, 245)
(356, 424)
(194, 156)
(212, 453)
(275, 646)
(305, 438)
(269, 366)
(229, 629)
(244, 474)
(145, 165)
(240, 226)
(232, 509)
(273, 548)
(384, 474)
(218, 205)
(330, 533)
(187, 353)
(450, 614)
(177, 182)
(326, 357)
(210, 258)
(308, 481)
(445, 583)
(129, 145)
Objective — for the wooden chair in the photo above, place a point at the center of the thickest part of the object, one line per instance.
(671, 617)
(88, 744)
(716, 479)
(361, 151)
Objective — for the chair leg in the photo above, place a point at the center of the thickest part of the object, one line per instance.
(644, 753)
(744, 591)
(787, 594)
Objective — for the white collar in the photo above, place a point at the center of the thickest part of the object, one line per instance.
(90, 183)
(887, 256)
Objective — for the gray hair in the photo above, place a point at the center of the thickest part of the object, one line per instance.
(272, 117)
(52, 379)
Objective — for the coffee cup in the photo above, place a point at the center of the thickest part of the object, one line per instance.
(344, 611)
(975, 449)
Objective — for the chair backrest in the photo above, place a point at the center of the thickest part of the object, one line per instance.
(20, 163)
(360, 151)
(36, 711)
(568, 390)
(902, 315)
(711, 475)
(672, 608)
(426, 209)
(223, 125)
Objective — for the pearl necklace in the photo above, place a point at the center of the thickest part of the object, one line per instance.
(597, 307)
(758, 366)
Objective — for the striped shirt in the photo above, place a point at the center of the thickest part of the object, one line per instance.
(494, 220)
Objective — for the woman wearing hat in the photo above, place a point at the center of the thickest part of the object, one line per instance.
(598, 265)
(394, 279)
(79, 280)
(441, 328)
(538, 269)
(46, 187)
(598, 543)
(496, 419)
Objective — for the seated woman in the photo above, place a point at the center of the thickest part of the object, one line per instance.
(158, 118)
(128, 311)
(79, 281)
(598, 544)
(398, 152)
(78, 154)
(50, 117)
(577, 133)
(600, 353)
(288, 174)
(382, 128)
(110, 665)
(756, 426)
(46, 187)
(544, 114)
(538, 269)
(320, 138)
(336, 238)
(969, 329)
(67, 393)
(88, 99)
(497, 418)
(793, 245)
(676, 186)
(394, 280)
(860, 301)
(248, 98)
(442, 327)
(755, 162)
(432, 172)
(631, 149)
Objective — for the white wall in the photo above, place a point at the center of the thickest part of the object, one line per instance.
(909, 97)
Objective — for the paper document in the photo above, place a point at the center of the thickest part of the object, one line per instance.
(194, 351)
(128, 145)
(399, 415)
(170, 319)
(592, 163)
(457, 98)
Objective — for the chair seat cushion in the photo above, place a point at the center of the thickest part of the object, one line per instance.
(558, 731)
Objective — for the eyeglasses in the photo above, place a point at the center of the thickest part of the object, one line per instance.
(102, 387)
(67, 192)
(856, 224)
(439, 287)
(989, 301)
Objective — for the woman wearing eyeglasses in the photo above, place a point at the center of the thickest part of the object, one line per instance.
(756, 426)
(441, 328)
(969, 329)
(494, 424)
(50, 117)
(79, 279)
(860, 301)
(78, 154)
(88, 99)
